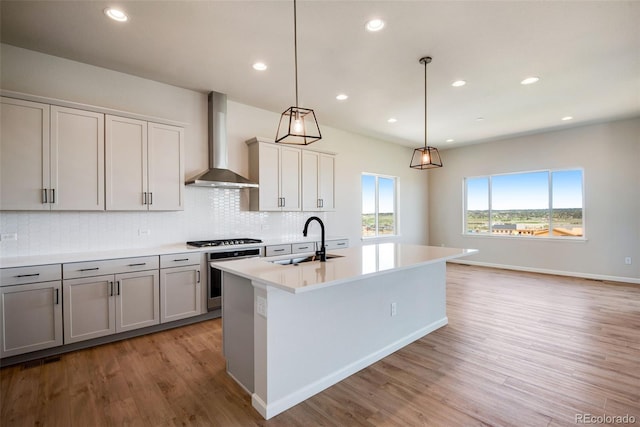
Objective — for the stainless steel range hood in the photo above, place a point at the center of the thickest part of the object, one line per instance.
(218, 175)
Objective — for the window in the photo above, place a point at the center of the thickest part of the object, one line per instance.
(534, 204)
(379, 216)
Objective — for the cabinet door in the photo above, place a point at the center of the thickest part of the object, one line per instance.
(180, 292)
(77, 159)
(24, 155)
(89, 310)
(269, 190)
(137, 300)
(30, 317)
(310, 174)
(290, 170)
(126, 164)
(166, 167)
(326, 182)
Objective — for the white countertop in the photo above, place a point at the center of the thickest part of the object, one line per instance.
(354, 263)
(97, 255)
(62, 258)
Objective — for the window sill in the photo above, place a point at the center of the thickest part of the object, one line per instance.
(527, 238)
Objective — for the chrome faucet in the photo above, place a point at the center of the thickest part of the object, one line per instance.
(322, 253)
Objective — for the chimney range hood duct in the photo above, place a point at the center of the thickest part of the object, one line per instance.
(218, 175)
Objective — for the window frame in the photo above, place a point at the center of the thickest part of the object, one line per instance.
(396, 222)
(550, 208)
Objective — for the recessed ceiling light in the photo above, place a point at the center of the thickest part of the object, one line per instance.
(260, 66)
(480, 119)
(567, 118)
(392, 120)
(375, 25)
(342, 97)
(116, 14)
(458, 83)
(529, 80)
(450, 140)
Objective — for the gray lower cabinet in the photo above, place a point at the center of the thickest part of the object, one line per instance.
(105, 304)
(180, 286)
(30, 317)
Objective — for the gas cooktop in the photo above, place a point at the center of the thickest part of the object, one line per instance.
(222, 242)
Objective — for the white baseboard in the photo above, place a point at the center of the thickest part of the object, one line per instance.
(269, 410)
(548, 271)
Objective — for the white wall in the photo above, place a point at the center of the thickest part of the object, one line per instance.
(610, 156)
(208, 213)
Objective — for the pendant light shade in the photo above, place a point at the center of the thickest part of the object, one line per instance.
(425, 157)
(298, 125)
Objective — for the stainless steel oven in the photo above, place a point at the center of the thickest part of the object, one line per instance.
(224, 250)
(214, 296)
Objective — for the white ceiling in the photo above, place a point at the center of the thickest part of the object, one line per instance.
(586, 53)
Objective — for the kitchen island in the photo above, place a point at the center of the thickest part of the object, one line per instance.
(290, 331)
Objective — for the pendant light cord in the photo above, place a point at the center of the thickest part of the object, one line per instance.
(295, 46)
(425, 104)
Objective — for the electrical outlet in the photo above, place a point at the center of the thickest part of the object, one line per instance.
(144, 232)
(261, 306)
(9, 236)
(394, 309)
(627, 260)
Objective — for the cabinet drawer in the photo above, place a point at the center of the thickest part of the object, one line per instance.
(276, 250)
(31, 274)
(177, 260)
(337, 244)
(297, 248)
(112, 266)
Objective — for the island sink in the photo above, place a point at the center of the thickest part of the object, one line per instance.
(300, 260)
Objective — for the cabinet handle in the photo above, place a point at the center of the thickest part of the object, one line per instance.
(181, 259)
(284, 202)
(144, 198)
(57, 296)
(111, 286)
(198, 273)
(151, 198)
(53, 195)
(118, 282)
(44, 195)
(340, 244)
(28, 275)
(322, 203)
(90, 269)
(278, 250)
(303, 247)
(137, 265)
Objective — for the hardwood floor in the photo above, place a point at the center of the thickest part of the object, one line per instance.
(521, 349)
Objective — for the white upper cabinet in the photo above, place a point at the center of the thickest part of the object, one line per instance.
(166, 167)
(77, 159)
(144, 165)
(277, 168)
(24, 155)
(126, 164)
(62, 158)
(318, 181)
(52, 157)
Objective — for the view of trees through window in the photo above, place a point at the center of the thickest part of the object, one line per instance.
(378, 205)
(544, 203)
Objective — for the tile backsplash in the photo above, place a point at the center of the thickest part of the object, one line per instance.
(208, 214)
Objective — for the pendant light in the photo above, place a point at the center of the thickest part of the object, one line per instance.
(425, 157)
(297, 125)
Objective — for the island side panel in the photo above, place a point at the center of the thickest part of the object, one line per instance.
(237, 328)
(314, 339)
